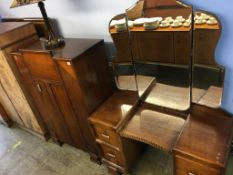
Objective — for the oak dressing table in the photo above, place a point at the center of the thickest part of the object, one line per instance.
(179, 88)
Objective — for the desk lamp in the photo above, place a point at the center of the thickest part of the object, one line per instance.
(53, 41)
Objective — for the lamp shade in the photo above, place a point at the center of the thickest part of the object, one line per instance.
(18, 3)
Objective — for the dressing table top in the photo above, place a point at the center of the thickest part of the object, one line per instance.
(115, 108)
(157, 129)
(206, 136)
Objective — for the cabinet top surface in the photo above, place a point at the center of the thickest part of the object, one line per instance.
(206, 137)
(10, 26)
(73, 48)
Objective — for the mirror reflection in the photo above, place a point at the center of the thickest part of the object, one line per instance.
(208, 76)
(160, 37)
(122, 62)
(155, 40)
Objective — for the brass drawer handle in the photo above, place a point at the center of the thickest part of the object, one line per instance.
(191, 173)
(105, 136)
(111, 155)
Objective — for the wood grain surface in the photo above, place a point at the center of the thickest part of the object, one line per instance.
(23, 112)
(157, 129)
(206, 137)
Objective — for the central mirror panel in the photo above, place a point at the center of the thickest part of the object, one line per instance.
(160, 39)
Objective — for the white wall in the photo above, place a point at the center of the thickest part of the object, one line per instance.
(77, 18)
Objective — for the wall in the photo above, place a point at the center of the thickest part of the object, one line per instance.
(77, 18)
(90, 18)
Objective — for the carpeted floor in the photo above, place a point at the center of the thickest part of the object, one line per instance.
(22, 153)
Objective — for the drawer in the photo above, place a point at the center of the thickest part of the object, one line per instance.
(112, 155)
(107, 135)
(185, 166)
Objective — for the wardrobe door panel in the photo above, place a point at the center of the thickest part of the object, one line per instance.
(49, 111)
(65, 109)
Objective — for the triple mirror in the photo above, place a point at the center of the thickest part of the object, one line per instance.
(166, 52)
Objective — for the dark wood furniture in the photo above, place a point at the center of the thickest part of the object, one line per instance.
(13, 98)
(154, 128)
(206, 38)
(37, 22)
(66, 85)
(208, 76)
(199, 137)
(200, 144)
(173, 47)
(119, 154)
(204, 143)
(73, 96)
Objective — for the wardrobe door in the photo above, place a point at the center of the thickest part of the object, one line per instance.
(48, 111)
(57, 112)
(62, 103)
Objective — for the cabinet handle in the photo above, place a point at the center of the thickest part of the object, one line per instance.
(191, 173)
(105, 136)
(39, 88)
(111, 155)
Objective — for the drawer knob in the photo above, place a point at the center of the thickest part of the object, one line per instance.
(39, 88)
(105, 136)
(191, 173)
(111, 155)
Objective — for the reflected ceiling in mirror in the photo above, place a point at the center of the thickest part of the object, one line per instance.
(208, 76)
(160, 34)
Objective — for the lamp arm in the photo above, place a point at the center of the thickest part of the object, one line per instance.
(46, 19)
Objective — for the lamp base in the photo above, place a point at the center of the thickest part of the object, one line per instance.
(54, 43)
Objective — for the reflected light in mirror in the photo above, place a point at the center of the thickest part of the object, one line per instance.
(126, 82)
(161, 118)
(125, 109)
(144, 83)
(169, 96)
(212, 97)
